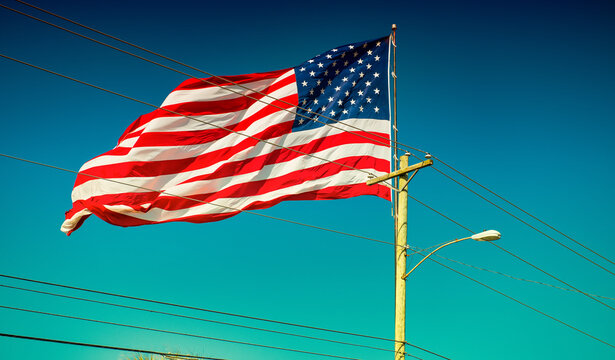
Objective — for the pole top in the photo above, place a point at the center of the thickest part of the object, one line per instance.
(394, 27)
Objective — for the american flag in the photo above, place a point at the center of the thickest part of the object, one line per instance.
(221, 145)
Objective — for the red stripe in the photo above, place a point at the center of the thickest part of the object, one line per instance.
(334, 192)
(192, 84)
(177, 138)
(167, 167)
(253, 188)
(199, 110)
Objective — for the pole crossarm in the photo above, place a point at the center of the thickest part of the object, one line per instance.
(400, 172)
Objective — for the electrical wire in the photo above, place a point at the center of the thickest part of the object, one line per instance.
(189, 317)
(395, 143)
(519, 208)
(173, 332)
(519, 219)
(212, 311)
(107, 347)
(201, 201)
(212, 83)
(513, 277)
(518, 257)
(524, 304)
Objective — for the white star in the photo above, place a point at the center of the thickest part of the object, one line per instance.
(337, 88)
(345, 79)
(304, 83)
(329, 82)
(369, 100)
(355, 54)
(322, 91)
(311, 61)
(352, 70)
(304, 102)
(361, 74)
(315, 101)
(364, 45)
(330, 99)
(345, 63)
(318, 82)
(326, 72)
(335, 63)
(369, 66)
(367, 83)
(320, 65)
(343, 55)
(378, 43)
(352, 102)
(329, 56)
(376, 109)
(354, 83)
(337, 72)
(302, 69)
(351, 47)
(376, 75)
(360, 93)
(312, 73)
(369, 52)
(361, 108)
(334, 50)
(347, 93)
(311, 91)
(340, 102)
(300, 121)
(377, 91)
(323, 108)
(332, 112)
(360, 61)
(345, 111)
(377, 58)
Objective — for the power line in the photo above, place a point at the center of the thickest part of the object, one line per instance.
(515, 256)
(191, 317)
(174, 332)
(199, 201)
(524, 304)
(511, 276)
(210, 311)
(107, 347)
(199, 70)
(519, 219)
(218, 85)
(519, 208)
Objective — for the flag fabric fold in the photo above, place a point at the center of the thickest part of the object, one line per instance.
(221, 145)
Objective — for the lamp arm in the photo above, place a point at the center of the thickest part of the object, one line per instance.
(438, 248)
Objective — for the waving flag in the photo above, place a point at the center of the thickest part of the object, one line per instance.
(221, 145)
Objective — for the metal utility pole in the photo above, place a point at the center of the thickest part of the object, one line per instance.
(401, 246)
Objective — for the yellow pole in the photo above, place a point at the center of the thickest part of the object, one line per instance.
(401, 240)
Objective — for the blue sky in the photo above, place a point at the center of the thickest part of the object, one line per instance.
(519, 95)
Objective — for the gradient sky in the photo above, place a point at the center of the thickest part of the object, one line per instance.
(519, 95)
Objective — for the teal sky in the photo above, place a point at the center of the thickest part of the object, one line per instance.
(519, 95)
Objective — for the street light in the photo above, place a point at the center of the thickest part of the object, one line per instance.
(488, 235)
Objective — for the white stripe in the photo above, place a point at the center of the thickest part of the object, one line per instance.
(172, 183)
(155, 214)
(217, 93)
(159, 153)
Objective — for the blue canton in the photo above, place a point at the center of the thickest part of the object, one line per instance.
(350, 81)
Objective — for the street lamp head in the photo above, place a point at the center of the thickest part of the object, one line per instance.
(488, 235)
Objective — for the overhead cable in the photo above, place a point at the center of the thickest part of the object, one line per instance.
(189, 317)
(211, 311)
(522, 210)
(522, 221)
(517, 256)
(108, 347)
(200, 201)
(218, 85)
(173, 332)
